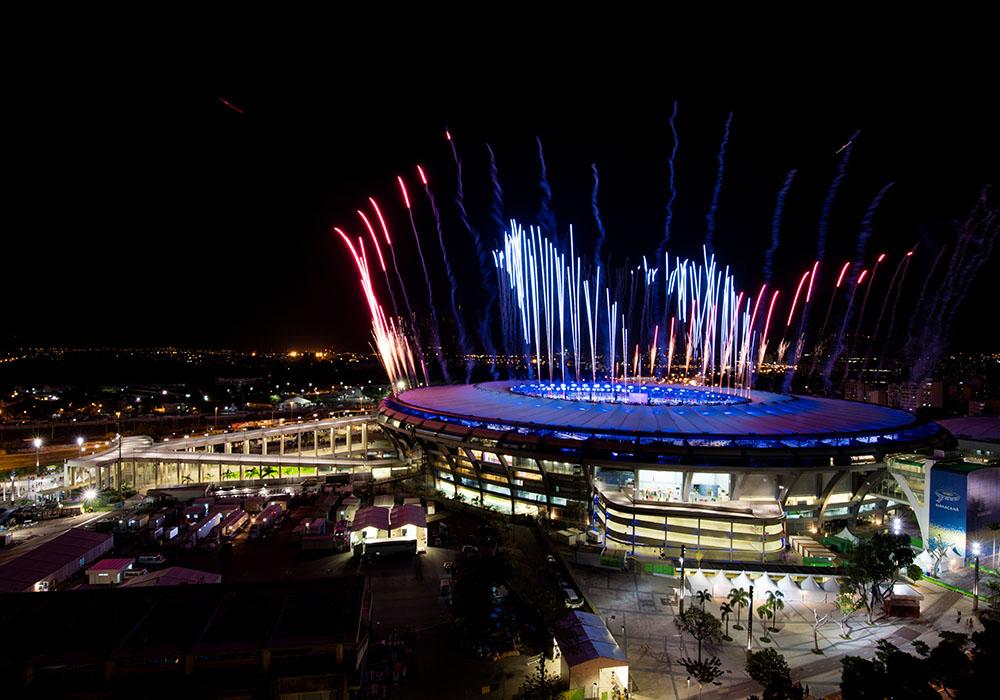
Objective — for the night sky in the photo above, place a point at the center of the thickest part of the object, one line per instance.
(158, 217)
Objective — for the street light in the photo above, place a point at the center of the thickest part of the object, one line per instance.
(975, 580)
(79, 443)
(897, 526)
(681, 604)
(37, 442)
(750, 621)
(89, 494)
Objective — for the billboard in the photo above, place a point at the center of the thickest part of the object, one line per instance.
(948, 504)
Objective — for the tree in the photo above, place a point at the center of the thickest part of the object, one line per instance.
(540, 685)
(705, 672)
(848, 602)
(229, 474)
(739, 598)
(776, 603)
(890, 674)
(703, 626)
(817, 623)
(875, 568)
(703, 597)
(771, 671)
(725, 610)
(765, 612)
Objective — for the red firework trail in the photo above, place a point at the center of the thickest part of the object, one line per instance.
(864, 301)
(767, 323)
(812, 279)
(231, 106)
(795, 301)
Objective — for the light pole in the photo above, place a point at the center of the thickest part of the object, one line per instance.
(681, 604)
(750, 621)
(37, 442)
(79, 443)
(897, 526)
(975, 580)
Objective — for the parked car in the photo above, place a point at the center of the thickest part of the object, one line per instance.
(152, 558)
(573, 599)
(132, 573)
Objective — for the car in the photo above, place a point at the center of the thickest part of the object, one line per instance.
(151, 558)
(470, 550)
(131, 573)
(550, 560)
(449, 566)
(573, 599)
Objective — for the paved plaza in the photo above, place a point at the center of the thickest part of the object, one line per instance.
(643, 603)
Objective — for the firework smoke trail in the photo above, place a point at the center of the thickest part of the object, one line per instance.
(831, 196)
(871, 284)
(710, 230)
(838, 350)
(892, 318)
(900, 267)
(463, 336)
(496, 216)
(864, 233)
(410, 316)
(545, 216)
(435, 332)
(779, 208)
(673, 186)
(923, 294)
(601, 234)
(491, 293)
(976, 239)
(829, 308)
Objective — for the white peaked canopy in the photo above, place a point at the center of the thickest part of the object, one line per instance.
(811, 591)
(742, 581)
(720, 585)
(697, 581)
(845, 534)
(763, 585)
(832, 589)
(791, 590)
(926, 561)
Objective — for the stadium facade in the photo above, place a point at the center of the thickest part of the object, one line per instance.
(727, 474)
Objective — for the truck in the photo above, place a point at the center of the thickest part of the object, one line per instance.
(264, 521)
(319, 543)
(375, 549)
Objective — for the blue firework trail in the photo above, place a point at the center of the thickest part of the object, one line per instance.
(779, 207)
(491, 292)
(496, 216)
(710, 230)
(831, 196)
(546, 217)
(463, 336)
(673, 185)
(601, 234)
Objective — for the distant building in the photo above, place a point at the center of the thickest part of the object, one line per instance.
(109, 572)
(978, 436)
(406, 522)
(47, 566)
(295, 403)
(591, 659)
(964, 499)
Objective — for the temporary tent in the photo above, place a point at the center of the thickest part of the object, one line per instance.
(742, 581)
(763, 585)
(697, 581)
(831, 587)
(926, 561)
(791, 590)
(811, 591)
(721, 585)
(845, 534)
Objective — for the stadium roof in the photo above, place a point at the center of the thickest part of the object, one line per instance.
(982, 428)
(494, 406)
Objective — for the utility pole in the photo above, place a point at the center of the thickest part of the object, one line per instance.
(750, 621)
(681, 606)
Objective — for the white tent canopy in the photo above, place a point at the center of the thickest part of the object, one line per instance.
(787, 586)
(926, 561)
(811, 591)
(721, 586)
(742, 581)
(845, 534)
(697, 581)
(763, 585)
(832, 589)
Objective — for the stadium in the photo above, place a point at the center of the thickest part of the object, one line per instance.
(728, 473)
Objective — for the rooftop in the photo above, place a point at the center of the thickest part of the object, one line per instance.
(111, 565)
(42, 561)
(584, 637)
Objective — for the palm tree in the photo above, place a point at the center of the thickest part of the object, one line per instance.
(253, 472)
(229, 474)
(739, 597)
(776, 605)
(725, 610)
(266, 472)
(703, 597)
(764, 612)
